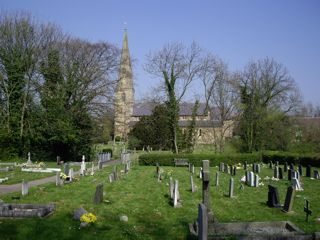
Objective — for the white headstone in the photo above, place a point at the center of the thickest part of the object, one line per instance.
(92, 169)
(256, 180)
(58, 179)
(83, 167)
(176, 194)
(251, 179)
(171, 187)
(71, 174)
(200, 173)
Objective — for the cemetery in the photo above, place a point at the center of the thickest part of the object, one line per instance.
(132, 201)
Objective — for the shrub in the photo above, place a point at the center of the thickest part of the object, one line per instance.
(167, 159)
(296, 158)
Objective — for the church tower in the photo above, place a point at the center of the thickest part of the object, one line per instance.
(124, 94)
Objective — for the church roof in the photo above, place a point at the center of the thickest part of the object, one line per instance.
(145, 109)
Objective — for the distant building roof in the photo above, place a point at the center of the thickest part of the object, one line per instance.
(145, 109)
(185, 124)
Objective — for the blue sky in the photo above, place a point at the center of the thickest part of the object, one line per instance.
(237, 31)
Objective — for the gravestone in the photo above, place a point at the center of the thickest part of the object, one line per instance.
(296, 184)
(247, 178)
(273, 197)
(277, 163)
(66, 168)
(251, 179)
(98, 195)
(285, 167)
(307, 210)
(234, 170)
(226, 168)
(202, 222)
(92, 169)
(192, 169)
(83, 166)
(300, 170)
(25, 188)
(58, 179)
(254, 168)
(308, 171)
(315, 174)
(231, 169)
(115, 174)
(171, 187)
(176, 194)
(291, 166)
(217, 179)
(231, 186)
(276, 172)
(29, 162)
(200, 173)
(189, 167)
(221, 167)
(280, 173)
(193, 187)
(258, 168)
(245, 165)
(71, 174)
(58, 160)
(288, 204)
(111, 177)
(256, 180)
(289, 174)
(206, 186)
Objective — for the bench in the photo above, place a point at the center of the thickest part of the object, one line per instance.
(181, 162)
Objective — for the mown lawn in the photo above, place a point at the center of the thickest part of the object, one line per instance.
(145, 201)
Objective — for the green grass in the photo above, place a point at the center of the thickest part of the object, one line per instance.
(145, 201)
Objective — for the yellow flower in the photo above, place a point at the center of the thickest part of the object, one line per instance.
(88, 217)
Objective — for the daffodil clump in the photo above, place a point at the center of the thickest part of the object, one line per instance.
(88, 218)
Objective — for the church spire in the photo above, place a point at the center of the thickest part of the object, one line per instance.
(124, 93)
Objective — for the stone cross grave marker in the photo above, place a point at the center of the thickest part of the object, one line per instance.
(307, 210)
(98, 195)
(308, 171)
(288, 204)
(176, 194)
(231, 187)
(202, 222)
(273, 197)
(25, 188)
(217, 179)
(193, 187)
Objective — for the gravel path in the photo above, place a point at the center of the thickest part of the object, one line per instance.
(4, 189)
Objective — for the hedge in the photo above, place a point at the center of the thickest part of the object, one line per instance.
(167, 159)
(296, 158)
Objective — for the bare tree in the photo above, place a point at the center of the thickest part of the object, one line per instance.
(178, 66)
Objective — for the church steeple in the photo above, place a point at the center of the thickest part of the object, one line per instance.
(124, 93)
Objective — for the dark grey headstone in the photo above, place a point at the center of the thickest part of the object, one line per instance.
(308, 171)
(202, 222)
(288, 204)
(98, 195)
(291, 166)
(231, 187)
(273, 197)
(234, 170)
(66, 168)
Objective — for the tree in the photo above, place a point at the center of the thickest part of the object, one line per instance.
(190, 137)
(178, 67)
(220, 95)
(265, 86)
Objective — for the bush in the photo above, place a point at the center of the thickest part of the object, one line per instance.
(296, 158)
(167, 159)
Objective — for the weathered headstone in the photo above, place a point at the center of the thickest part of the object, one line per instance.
(98, 196)
(100, 164)
(300, 169)
(25, 188)
(288, 204)
(276, 172)
(231, 187)
(29, 159)
(316, 174)
(193, 187)
(251, 179)
(247, 178)
(111, 177)
(308, 171)
(273, 197)
(258, 168)
(202, 222)
(200, 173)
(192, 169)
(83, 167)
(58, 179)
(234, 170)
(291, 166)
(171, 187)
(285, 167)
(280, 173)
(176, 194)
(289, 174)
(66, 168)
(58, 160)
(206, 186)
(256, 180)
(217, 179)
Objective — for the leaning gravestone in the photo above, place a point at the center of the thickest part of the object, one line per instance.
(98, 196)
(25, 188)
(273, 197)
(288, 204)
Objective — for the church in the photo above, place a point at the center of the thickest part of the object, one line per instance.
(127, 112)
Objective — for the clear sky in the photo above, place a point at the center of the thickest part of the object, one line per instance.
(237, 31)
